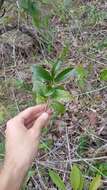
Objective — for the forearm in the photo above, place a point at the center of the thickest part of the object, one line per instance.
(22, 139)
(12, 176)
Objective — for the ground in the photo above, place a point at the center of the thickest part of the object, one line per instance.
(80, 136)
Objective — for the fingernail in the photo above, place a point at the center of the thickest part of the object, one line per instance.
(45, 116)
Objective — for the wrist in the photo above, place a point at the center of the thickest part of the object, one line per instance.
(12, 175)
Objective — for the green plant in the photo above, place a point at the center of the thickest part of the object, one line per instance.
(80, 74)
(48, 85)
(76, 180)
(83, 144)
(57, 180)
(93, 15)
(103, 75)
(40, 20)
(61, 8)
(96, 183)
(101, 169)
(32, 9)
(46, 145)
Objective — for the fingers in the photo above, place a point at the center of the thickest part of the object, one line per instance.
(39, 124)
(31, 113)
(30, 123)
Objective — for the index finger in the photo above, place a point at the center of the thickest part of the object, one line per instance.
(30, 113)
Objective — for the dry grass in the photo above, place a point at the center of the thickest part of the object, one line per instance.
(86, 114)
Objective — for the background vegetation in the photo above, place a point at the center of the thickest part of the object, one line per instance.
(56, 51)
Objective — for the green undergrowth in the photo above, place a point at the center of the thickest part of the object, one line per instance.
(77, 66)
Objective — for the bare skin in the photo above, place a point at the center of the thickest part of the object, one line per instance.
(22, 139)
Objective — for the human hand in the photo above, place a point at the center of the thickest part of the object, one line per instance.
(22, 139)
(23, 135)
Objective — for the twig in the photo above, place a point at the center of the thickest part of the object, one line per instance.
(36, 184)
(15, 100)
(68, 145)
(76, 160)
(40, 178)
(102, 148)
(52, 151)
(91, 166)
(92, 91)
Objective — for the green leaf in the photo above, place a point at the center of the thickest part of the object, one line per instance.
(36, 21)
(61, 95)
(46, 145)
(41, 74)
(56, 67)
(57, 180)
(81, 72)
(65, 74)
(40, 99)
(103, 75)
(81, 182)
(32, 9)
(39, 90)
(75, 177)
(25, 4)
(103, 168)
(58, 107)
(50, 92)
(96, 183)
(45, 21)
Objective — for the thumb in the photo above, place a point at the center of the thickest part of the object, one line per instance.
(39, 124)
